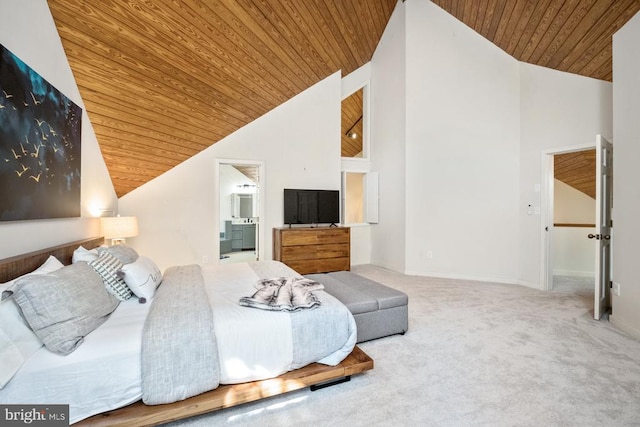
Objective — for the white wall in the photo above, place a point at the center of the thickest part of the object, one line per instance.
(299, 143)
(571, 206)
(558, 111)
(573, 254)
(626, 191)
(28, 30)
(462, 153)
(388, 135)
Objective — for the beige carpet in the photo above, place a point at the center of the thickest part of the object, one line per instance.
(476, 354)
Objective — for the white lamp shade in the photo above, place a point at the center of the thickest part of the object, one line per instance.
(118, 227)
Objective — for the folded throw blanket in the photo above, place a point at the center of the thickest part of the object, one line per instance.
(284, 294)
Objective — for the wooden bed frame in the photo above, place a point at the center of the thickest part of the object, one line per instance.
(138, 414)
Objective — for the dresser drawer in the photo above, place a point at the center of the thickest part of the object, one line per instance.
(308, 266)
(290, 253)
(316, 236)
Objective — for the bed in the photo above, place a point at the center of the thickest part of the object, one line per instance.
(107, 366)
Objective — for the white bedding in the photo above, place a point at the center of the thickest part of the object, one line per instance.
(104, 373)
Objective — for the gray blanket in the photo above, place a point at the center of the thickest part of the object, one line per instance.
(284, 294)
(179, 348)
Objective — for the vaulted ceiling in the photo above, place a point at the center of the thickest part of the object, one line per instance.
(164, 79)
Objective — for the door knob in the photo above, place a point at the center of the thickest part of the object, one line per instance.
(591, 236)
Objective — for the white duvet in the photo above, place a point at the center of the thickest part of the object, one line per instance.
(104, 373)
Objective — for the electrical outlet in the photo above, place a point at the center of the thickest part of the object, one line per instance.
(429, 254)
(616, 289)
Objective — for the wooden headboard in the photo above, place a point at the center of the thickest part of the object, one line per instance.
(10, 268)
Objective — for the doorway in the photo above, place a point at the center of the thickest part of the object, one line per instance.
(240, 210)
(572, 231)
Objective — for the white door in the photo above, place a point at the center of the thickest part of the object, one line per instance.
(604, 186)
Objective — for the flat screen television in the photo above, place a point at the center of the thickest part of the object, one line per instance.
(311, 206)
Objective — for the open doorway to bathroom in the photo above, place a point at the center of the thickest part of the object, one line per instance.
(239, 211)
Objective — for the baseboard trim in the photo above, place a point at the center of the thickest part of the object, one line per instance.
(625, 327)
(574, 273)
(462, 277)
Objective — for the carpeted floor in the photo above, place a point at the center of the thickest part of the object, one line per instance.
(476, 354)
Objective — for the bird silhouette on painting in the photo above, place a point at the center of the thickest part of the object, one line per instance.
(36, 178)
(6, 95)
(24, 169)
(35, 102)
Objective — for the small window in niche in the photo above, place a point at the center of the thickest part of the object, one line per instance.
(353, 125)
(354, 197)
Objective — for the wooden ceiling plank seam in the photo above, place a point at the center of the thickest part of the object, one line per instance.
(242, 22)
(121, 98)
(504, 22)
(467, 12)
(316, 28)
(603, 28)
(133, 155)
(134, 169)
(192, 68)
(127, 92)
(550, 39)
(521, 25)
(230, 61)
(532, 26)
(124, 138)
(238, 61)
(124, 64)
(330, 27)
(159, 153)
(311, 37)
(541, 30)
(164, 52)
(270, 64)
(588, 19)
(604, 72)
(506, 29)
(372, 32)
(496, 19)
(586, 61)
(601, 58)
(378, 15)
(453, 8)
(356, 45)
(488, 18)
(142, 132)
(279, 16)
(482, 10)
(297, 54)
(565, 31)
(363, 23)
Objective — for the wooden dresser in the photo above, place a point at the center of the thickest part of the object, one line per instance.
(313, 250)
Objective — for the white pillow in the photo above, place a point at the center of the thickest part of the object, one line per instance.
(82, 254)
(142, 276)
(17, 341)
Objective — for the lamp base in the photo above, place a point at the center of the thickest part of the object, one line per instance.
(118, 241)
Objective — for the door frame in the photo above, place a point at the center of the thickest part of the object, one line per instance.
(260, 236)
(546, 209)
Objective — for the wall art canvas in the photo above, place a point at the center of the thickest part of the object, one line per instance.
(39, 146)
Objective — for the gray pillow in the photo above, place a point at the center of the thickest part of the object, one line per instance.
(125, 254)
(64, 306)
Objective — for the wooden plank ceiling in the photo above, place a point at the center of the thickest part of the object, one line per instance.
(162, 80)
(577, 169)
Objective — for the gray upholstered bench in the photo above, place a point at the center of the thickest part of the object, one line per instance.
(378, 309)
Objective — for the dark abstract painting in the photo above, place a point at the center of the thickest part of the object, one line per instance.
(39, 146)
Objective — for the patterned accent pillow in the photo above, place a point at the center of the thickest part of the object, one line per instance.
(125, 254)
(107, 266)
